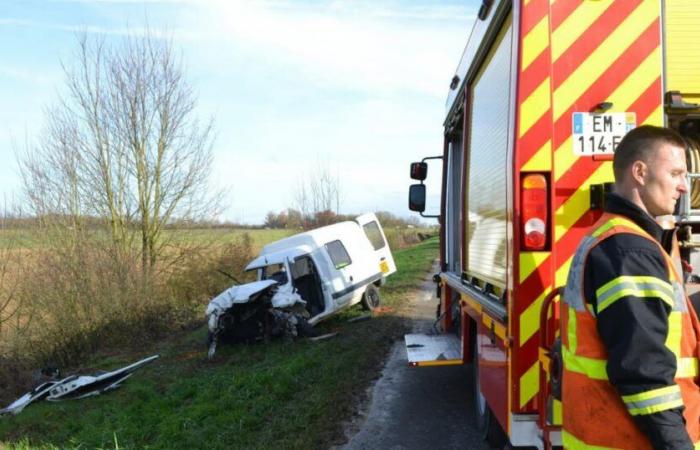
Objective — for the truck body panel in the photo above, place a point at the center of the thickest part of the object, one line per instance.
(535, 93)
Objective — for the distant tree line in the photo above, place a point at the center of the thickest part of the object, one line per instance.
(291, 218)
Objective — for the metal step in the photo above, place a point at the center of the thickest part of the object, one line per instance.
(438, 350)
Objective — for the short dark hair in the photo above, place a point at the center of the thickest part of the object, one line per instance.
(640, 143)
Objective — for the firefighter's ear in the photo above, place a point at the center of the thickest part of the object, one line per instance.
(638, 172)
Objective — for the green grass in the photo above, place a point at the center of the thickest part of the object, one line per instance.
(275, 395)
(227, 235)
(29, 237)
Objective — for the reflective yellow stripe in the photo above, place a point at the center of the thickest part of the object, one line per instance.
(654, 400)
(635, 281)
(596, 368)
(592, 368)
(687, 368)
(556, 412)
(657, 407)
(638, 286)
(653, 393)
(675, 331)
(617, 222)
(641, 293)
(571, 331)
(572, 443)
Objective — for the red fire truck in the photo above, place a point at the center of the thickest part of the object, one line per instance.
(543, 93)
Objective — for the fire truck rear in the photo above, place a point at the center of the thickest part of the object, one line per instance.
(544, 92)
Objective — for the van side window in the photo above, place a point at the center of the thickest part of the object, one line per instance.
(339, 256)
(374, 235)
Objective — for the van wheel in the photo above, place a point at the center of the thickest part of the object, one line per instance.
(486, 423)
(371, 298)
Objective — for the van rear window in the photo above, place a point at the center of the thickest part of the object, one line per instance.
(374, 235)
(339, 256)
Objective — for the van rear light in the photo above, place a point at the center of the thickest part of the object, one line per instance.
(534, 211)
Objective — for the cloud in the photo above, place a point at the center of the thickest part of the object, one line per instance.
(156, 32)
(386, 47)
(345, 44)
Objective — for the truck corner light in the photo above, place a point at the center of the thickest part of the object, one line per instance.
(534, 211)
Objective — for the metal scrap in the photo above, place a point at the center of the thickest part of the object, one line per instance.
(76, 386)
(323, 337)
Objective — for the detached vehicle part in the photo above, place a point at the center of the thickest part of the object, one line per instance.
(76, 386)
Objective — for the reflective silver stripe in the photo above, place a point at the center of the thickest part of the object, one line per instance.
(573, 295)
(679, 300)
(656, 401)
(637, 286)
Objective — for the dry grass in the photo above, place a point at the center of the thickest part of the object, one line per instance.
(73, 296)
(79, 296)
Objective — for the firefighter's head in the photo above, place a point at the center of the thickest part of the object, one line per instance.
(650, 169)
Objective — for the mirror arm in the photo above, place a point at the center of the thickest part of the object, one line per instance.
(430, 216)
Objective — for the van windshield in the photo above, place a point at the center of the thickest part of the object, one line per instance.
(277, 272)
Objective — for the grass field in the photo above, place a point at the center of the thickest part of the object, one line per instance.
(27, 237)
(275, 395)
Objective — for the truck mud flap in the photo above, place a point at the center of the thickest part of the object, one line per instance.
(433, 350)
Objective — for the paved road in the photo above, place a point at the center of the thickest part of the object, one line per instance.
(418, 408)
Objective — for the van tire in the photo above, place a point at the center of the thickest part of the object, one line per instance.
(371, 299)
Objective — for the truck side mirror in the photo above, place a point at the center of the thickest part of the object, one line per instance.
(416, 196)
(419, 171)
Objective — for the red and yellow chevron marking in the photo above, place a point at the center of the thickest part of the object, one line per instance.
(598, 51)
(533, 153)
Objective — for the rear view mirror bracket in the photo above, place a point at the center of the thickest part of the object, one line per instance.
(416, 193)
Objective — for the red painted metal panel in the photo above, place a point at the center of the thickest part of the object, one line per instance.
(493, 372)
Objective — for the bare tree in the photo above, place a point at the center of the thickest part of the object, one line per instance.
(123, 145)
(317, 192)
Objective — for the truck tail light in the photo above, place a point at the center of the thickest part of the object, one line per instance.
(534, 211)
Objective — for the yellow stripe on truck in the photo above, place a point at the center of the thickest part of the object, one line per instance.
(530, 261)
(535, 42)
(540, 161)
(534, 107)
(529, 384)
(580, 20)
(577, 205)
(601, 59)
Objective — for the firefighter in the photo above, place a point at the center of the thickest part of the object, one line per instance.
(629, 334)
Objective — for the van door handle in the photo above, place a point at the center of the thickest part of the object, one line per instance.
(351, 278)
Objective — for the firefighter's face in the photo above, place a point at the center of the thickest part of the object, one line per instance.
(663, 180)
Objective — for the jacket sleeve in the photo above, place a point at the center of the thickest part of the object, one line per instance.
(626, 280)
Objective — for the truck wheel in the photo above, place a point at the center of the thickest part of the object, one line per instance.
(371, 298)
(486, 423)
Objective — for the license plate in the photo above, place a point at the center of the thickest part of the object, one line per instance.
(384, 267)
(600, 133)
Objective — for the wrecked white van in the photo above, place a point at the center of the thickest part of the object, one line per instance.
(303, 279)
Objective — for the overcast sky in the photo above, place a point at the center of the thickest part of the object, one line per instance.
(356, 86)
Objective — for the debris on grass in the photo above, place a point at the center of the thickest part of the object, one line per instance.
(361, 318)
(323, 337)
(76, 386)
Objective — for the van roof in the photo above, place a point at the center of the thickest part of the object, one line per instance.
(278, 257)
(314, 238)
